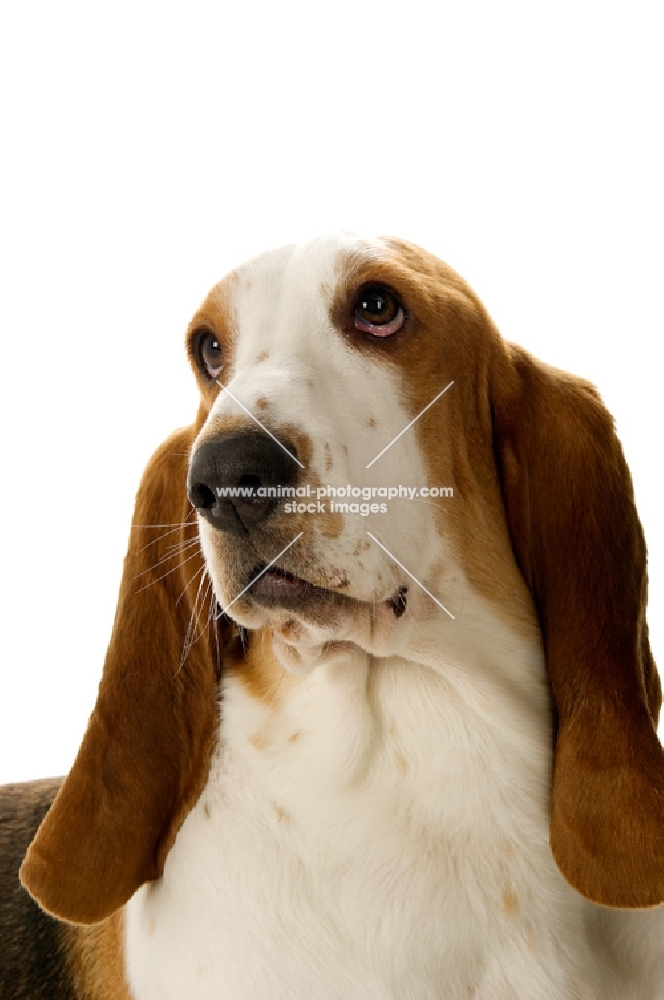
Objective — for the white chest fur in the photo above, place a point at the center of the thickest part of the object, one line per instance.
(381, 833)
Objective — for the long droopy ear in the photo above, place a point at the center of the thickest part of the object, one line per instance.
(579, 545)
(146, 753)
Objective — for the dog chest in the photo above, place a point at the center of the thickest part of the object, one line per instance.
(349, 844)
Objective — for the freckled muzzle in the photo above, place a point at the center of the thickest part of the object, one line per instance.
(224, 477)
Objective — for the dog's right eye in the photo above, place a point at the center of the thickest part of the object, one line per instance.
(209, 354)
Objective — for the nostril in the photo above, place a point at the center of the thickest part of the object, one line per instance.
(202, 496)
(250, 482)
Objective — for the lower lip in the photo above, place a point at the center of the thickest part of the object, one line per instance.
(282, 590)
(274, 586)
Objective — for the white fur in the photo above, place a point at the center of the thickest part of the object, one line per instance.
(378, 829)
(398, 848)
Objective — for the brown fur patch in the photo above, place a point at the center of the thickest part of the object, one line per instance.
(260, 672)
(259, 741)
(283, 816)
(97, 959)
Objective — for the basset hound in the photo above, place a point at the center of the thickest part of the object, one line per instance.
(377, 718)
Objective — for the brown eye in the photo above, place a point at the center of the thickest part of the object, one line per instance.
(209, 354)
(378, 311)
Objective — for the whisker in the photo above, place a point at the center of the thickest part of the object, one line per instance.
(179, 545)
(188, 642)
(206, 595)
(187, 523)
(186, 645)
(212, 618)
(168, 572)
(197, 612)
(154, 541)
(179, 548)
(188, 584)
(211, 604)
(172, 524)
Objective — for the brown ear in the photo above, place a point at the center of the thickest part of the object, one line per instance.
(145, 756)
(579, 544)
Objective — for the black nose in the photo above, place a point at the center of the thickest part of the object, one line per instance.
(234, 480)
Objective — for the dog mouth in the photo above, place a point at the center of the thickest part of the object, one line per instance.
(274, 587)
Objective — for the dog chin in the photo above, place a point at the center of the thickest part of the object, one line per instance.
(309, 624)
(357, 630)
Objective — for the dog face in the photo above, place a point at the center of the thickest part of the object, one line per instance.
(332, 371)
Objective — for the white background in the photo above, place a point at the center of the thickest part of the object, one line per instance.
(147, 148)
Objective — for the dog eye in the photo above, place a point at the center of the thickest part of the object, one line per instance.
(378, 311)
(209, 354)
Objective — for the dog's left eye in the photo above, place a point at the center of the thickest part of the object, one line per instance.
(378, 311)
(209, 354)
